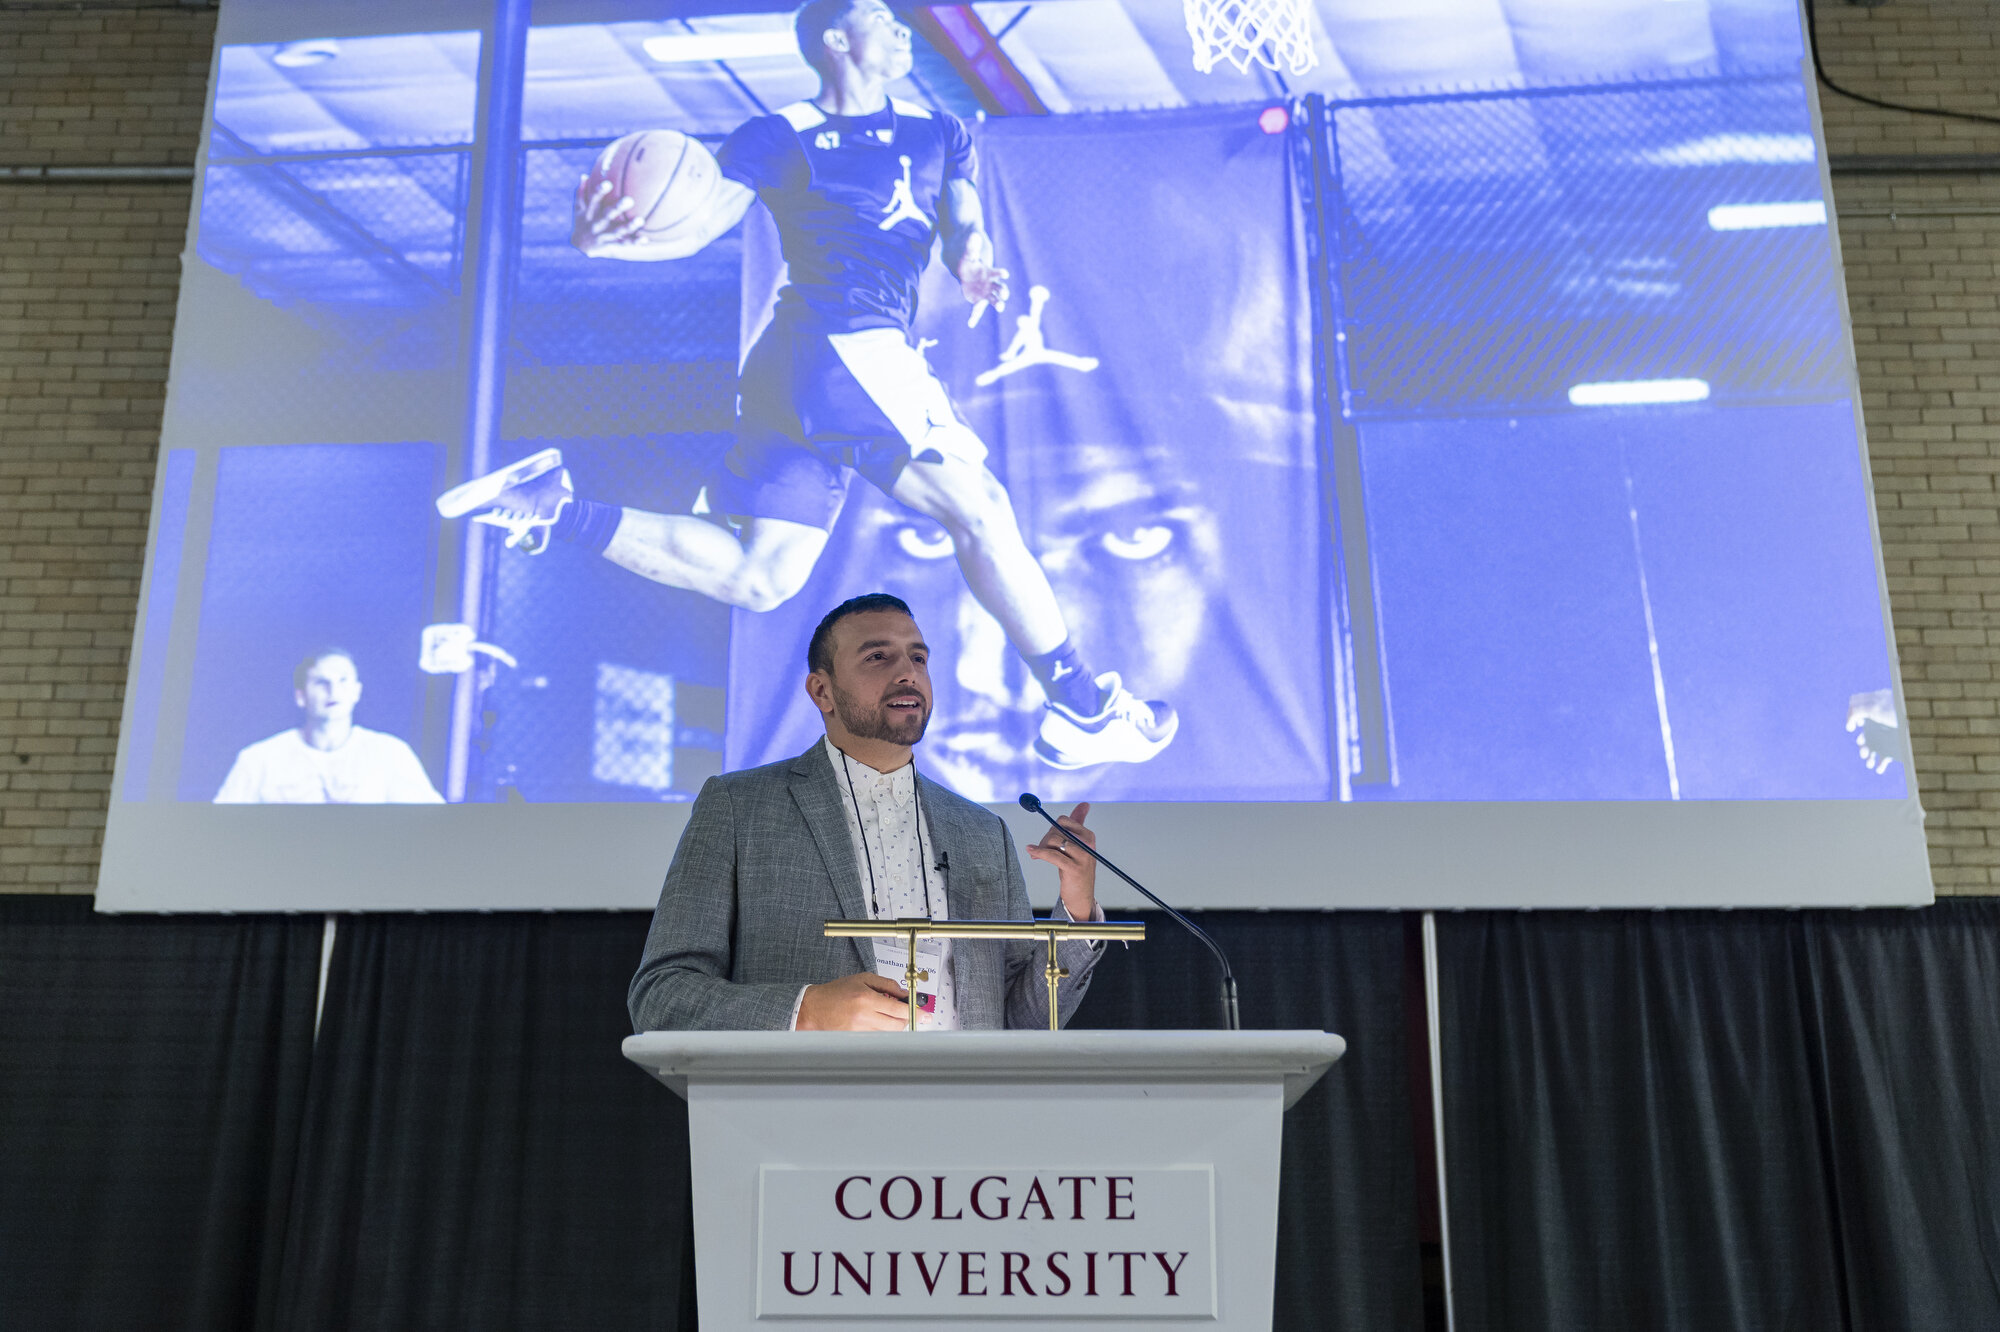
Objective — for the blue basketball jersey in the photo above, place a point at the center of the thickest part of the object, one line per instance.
(856, 199)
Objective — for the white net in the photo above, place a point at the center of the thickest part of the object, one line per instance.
(1274, 33)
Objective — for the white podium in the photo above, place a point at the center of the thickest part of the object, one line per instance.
(1009, 1178)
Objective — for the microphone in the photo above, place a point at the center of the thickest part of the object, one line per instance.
(1033, 804)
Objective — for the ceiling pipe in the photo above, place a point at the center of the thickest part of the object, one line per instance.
(1853, 164)
(964, 40)
(1913, 164)
(96, 173)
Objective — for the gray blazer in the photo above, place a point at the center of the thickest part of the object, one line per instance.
(767, 859)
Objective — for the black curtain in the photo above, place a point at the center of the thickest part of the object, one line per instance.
(476, 1152)
(1656, 1120)
(1750, 1120)
(152, 1075)
(1902, 1016)
(1347, 1226)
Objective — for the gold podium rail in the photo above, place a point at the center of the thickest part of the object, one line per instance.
(910, 929)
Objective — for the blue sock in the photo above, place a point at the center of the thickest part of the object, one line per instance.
(588, 524)
(1066, 679)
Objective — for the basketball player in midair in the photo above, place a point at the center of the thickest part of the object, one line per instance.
(861, 186)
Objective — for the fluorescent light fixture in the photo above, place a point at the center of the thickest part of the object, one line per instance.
(1724, 149)
(692, 47)
(302, 55)
(1635, 392)
(1754, 217)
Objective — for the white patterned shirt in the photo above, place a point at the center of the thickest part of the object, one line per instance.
(885, 839)
(896, 859)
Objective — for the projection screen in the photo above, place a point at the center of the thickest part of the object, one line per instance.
(1460, 440)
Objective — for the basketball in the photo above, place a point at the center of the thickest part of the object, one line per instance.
(671, 179)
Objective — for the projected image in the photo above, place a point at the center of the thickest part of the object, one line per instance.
(1062, 520)
(327, 759)
(1450, 423)
(314, 587)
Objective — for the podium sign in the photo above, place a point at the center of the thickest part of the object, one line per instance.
(1008, 1179)
(938, 1243)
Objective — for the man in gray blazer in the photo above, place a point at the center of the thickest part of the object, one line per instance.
(771, 853)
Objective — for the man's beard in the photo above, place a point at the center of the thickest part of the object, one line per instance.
(880, 723)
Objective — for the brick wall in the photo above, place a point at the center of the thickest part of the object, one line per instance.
(1922, 255)
(88, 275)
(87, 283)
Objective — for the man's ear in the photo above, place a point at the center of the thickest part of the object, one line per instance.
(834, 40)
(819, 688)
(299, 697)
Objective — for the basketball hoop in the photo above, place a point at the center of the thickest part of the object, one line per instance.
(1270, 32)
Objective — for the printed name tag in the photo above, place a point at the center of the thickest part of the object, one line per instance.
(891, 955)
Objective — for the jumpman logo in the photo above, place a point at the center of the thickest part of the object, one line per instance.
(1029, 348)
(902, 205)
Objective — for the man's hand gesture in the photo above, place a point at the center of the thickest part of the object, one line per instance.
(861, 1002)
(1871, 718)
(982, 283)
(1077, 871)
(601, 218)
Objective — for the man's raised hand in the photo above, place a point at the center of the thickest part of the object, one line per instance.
(983, 285)
(602, 218)
(1871, 717)
(1076, 871)
(861, 1002)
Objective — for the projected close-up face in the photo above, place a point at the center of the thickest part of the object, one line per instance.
(1129, 551)
(330, 691)
(1128, 543)
(1464, 416)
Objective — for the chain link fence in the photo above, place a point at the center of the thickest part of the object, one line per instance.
(1497, 250)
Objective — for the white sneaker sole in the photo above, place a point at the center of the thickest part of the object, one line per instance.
(1137, 750)
(483, 490)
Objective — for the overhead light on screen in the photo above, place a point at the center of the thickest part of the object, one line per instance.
(1723, 149)
(1638, 392)
(1753, 217)
(298, 55)
(691, 47)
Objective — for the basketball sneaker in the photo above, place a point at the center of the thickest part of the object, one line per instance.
(1124, 729)
(523, 499)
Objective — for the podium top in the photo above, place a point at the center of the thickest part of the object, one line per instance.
(1294, 1058)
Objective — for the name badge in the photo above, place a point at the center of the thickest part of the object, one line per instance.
(892, 955)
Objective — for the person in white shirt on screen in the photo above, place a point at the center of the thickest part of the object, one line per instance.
(326, 759)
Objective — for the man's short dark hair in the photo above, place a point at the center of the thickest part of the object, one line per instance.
(819, 653)
(810, 23)
(314, 658)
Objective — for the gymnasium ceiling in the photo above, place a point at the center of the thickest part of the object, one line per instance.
(339, 172)
(1008, 57)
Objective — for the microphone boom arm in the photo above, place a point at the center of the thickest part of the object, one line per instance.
(1231, 1019)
